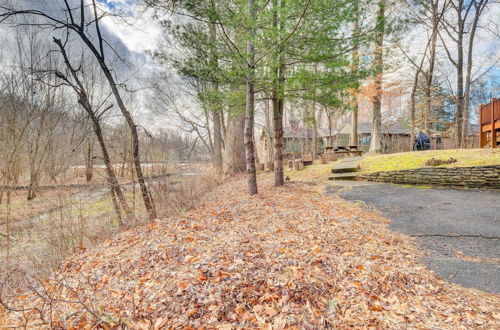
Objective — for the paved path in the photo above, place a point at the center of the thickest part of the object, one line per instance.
(345, 169)
(347, 164)
(459, 230)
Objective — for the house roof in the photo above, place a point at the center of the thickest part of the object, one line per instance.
(363, 128)
(387, 128)
(299, 133)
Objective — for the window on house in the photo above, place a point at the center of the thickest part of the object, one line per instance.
(365, 140)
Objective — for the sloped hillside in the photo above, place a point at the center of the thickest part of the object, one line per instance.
(287, 258)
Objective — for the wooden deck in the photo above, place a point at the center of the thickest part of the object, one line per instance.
(489, 122)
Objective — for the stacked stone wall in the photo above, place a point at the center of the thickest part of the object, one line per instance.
(468, 177)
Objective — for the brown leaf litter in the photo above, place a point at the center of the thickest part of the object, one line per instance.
(289, 257)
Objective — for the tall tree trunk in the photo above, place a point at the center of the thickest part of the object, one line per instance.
(146, 194)
(412, 98)
(412, 112)
(111, 176)
(255, 151)
(234, 151)
(250, 104)
(329, 116)
(84, 101)
(459, 98)
(479, 6)
(427, 116)
(89, 160)
(306, 135)
(376, 139)
(217, 142)
(278, 141)
(216, 118)
(33, 185)
(353, 140)
(278, 98)
(269, 141)
(315, 132)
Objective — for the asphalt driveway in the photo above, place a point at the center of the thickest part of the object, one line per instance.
(459, 230)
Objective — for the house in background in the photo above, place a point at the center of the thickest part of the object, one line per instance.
(296, 142)
(395, 138)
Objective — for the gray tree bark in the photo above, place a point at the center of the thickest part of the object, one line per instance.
(250, 105)
(234, 151)
(84, 101)
(278, 99)
(353, 140)
(376, 138)
(216, 118)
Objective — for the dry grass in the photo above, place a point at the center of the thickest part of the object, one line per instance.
(184, 193)
(56, 228)
(315, 173)
(77, 175)
(61, 222)
(417, 159)
(20, 208)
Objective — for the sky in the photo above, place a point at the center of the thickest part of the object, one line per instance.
(145, 33)
(138, 35)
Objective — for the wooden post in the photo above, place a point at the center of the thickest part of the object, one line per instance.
(493, 128)
(481, 134)
(298, 165)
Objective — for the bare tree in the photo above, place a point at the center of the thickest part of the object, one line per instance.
(479, 7)
(456, 30)
(430, 16)
(78, 20)
(94, 115)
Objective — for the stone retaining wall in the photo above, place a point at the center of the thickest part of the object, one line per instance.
(469, 177)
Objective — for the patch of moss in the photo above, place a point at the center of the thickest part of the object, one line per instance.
(412, 186)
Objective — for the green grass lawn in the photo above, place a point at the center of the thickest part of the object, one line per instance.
(416, 159)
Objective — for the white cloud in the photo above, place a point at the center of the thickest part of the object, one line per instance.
(134, 26)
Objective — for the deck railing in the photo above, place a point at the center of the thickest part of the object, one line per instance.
(489, 120)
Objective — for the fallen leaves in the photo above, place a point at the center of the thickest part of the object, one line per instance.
(239, 310)
(285, 258)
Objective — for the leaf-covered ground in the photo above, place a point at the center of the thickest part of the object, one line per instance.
(287, 258)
